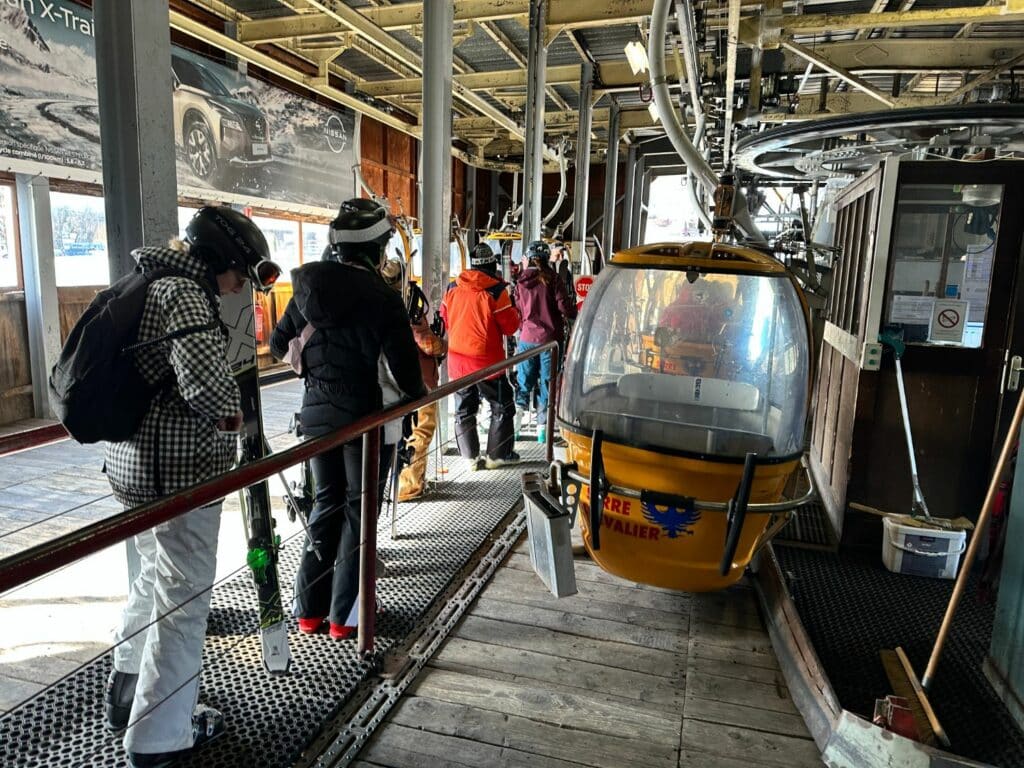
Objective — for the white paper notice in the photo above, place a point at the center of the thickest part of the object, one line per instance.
(911, 310)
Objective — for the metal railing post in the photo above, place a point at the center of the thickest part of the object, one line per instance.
(368, 540)
(549, 433)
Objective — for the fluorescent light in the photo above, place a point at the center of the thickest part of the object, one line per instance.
(653, 109)
(636, 54)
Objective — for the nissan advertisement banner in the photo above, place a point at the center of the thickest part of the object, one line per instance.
(232, 133)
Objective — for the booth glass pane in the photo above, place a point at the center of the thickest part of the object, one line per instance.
(944, 243)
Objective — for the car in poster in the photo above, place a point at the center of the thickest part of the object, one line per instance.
(215, 130)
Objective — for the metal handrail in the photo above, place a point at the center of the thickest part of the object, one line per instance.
(51, 555)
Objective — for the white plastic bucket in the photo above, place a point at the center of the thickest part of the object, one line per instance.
(917, 551)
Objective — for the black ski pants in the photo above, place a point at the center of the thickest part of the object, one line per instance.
(329, 586)
(502, 433)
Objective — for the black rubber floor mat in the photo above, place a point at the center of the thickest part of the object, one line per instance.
(852, 607)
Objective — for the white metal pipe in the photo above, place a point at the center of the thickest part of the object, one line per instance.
(663, 103)
(562, 163)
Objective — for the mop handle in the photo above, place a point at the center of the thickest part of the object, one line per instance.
(918, 495)
(972, 550)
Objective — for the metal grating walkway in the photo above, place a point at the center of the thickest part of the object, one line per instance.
(852, 607)
(272, 719)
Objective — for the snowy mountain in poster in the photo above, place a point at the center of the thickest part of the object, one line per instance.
(48, 108)
(232, 133)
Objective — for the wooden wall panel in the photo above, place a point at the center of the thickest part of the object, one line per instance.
(828, 442)
(388, 161)
(821, 401)
(71, 305)
(15, 371)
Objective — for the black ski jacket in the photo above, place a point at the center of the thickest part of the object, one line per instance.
(356, 318)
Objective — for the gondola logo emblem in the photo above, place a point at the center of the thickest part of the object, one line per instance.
(671, 519)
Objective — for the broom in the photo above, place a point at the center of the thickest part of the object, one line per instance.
(897, 667)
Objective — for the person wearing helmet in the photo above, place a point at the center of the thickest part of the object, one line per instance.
(186, 436)
(356, 318)
(545, 308)
(478, 313)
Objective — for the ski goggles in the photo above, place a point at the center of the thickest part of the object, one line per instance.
(263, 275)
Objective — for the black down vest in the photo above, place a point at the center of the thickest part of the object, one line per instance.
(357, 318)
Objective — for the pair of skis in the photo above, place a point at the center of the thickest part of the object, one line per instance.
(237, 312)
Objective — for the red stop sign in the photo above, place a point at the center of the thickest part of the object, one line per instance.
(582, 289)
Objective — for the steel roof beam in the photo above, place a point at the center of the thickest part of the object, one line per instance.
(612, 74)
(366, 29)
(820, 61)
(227, 44)
(767, 30)
(561, 15)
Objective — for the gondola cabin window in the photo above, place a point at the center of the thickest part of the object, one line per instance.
(944, 245)
(702, 364)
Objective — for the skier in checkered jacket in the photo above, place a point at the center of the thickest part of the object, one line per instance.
(188, 435)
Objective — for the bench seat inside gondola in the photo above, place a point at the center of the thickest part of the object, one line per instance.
(688, 413)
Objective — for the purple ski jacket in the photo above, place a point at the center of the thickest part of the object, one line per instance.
(544, 306)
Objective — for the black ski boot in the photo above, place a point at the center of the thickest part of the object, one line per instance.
(207, 725)
(117, 699)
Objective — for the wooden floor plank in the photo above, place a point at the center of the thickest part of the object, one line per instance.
(735, 669)
(535, 703)
(752, 718)
(724, 636)
(755, 747)
(571, 646)
(521, 588)
(531, 667)
(589, 571)
(615, 590)
(774, 697)
(530, 736)
(744, 658)
(732, 607)
(694, 758)
(584, 626)
(400, 747)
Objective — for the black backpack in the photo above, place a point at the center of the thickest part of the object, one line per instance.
(96, 388)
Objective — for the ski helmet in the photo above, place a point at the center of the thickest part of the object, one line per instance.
(361, 232)
(482, 257)
(539, 252)
(227, 239)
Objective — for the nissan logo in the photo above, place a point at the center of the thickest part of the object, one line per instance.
(337, 136)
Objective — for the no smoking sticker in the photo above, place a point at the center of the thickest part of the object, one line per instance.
(948, 320)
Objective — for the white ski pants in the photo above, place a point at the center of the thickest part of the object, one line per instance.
(161, 639)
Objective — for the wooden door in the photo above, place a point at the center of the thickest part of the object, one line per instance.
(839, 366)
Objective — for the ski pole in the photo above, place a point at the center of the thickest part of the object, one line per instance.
(299, 515)
(393, 501)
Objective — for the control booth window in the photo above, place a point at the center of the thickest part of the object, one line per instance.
(283, 238)
(9, 272)
(79, 239)
(944, 243)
